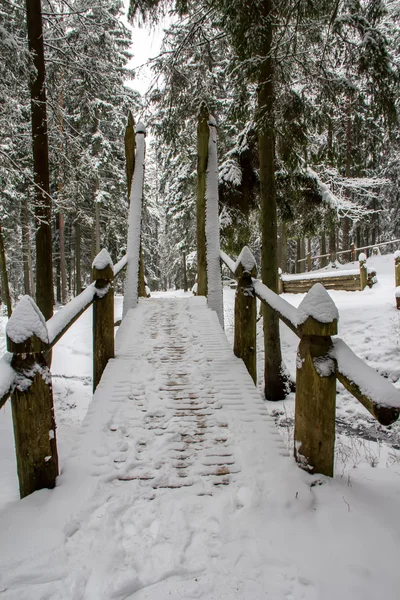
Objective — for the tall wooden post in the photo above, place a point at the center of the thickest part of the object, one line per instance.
(130, 147)
(103, 315)
(314, 430)
(245, 343)
(363, 270)
(353, 252)
(32, 400)
(397, 268)
(202, 160)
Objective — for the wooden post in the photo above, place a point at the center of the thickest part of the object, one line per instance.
(280, 282)
(314, 431)
(32, 400)
(353, 252)
(397, 268)
(202, 160)
(363, 270)
(246, 313)
(309, 261)
(103, 315)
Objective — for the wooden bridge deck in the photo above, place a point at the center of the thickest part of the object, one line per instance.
(179, 404)
(179, 485)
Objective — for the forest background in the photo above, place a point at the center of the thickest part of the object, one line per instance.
(335, 72)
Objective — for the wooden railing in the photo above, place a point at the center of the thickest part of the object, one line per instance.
(321, 360)
(26, 377)
(337, 280)
(352, 251)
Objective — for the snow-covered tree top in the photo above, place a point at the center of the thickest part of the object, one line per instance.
(317, 304)
(362, 257)
(140, 128)
(27, 321)
(102, 260)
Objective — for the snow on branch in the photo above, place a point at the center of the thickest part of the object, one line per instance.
(230, 172)
(339, 202)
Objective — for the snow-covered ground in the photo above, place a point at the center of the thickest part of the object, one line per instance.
(294, 540)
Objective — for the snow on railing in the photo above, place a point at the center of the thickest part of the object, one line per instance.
(120, 265)
(24, 370)
(68, 314)
(320, 361)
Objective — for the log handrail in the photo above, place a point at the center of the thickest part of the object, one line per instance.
(353, 249)
(24, 372)
(379, 396)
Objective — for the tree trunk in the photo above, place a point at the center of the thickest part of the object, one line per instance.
(63, 267)
(78, 279)
(4, 275)
(332, 242)
(185, 281)
(97, 226)
(202, 159)
(44, 265)
(323, 260)
(26, 247)
(275, 388)
(284, 247)
(346, 220)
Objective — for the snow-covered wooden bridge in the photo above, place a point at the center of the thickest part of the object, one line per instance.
(179, 484)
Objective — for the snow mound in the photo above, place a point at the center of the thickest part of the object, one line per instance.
(140, 128)
(362, 257)
(317, 304)
(102, 260)
(26, 321)
(246, 259)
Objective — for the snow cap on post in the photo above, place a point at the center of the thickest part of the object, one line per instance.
(246, 263)
(397, 255)
(317, 306)
(140, 128)
(102, 260)
(362, 257)
(26, 329)
(203, 110)
(103, 266)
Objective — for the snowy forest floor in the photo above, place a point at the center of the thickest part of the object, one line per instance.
(341, 541)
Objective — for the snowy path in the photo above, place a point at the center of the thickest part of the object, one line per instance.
(180, 487)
